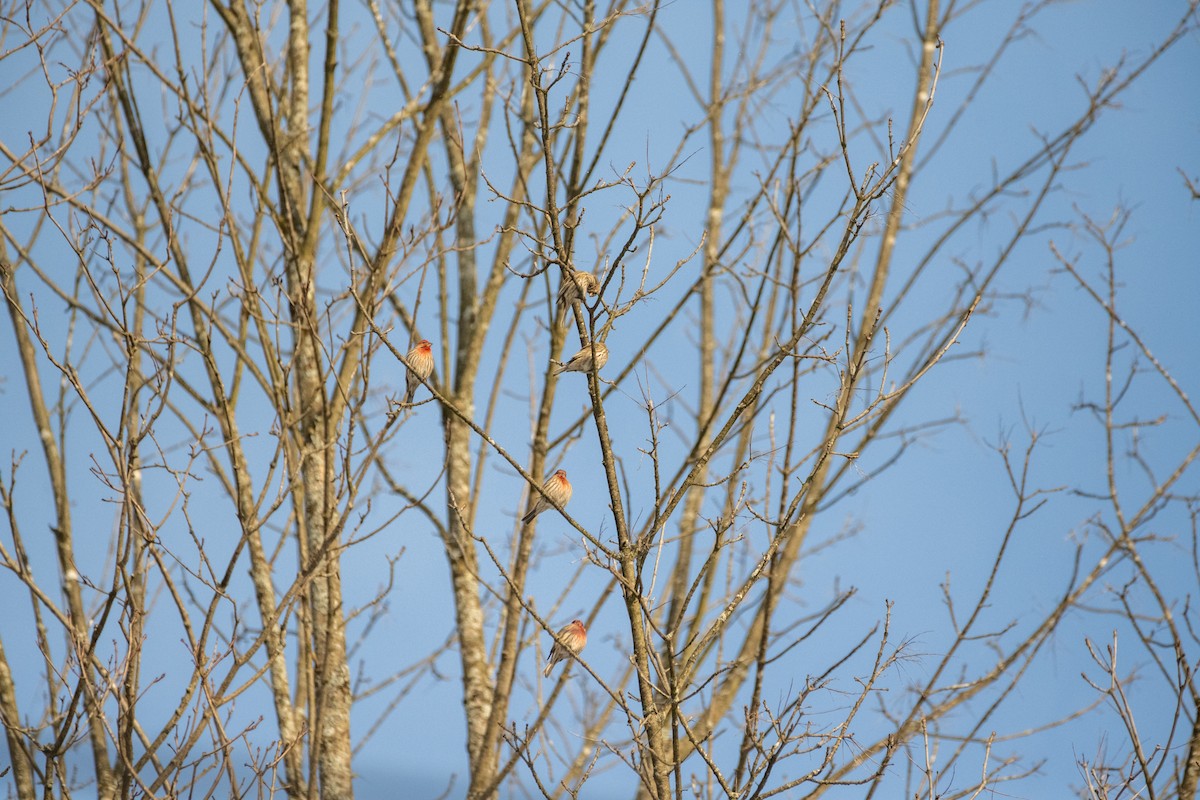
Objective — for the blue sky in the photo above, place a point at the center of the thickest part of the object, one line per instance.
(941, 512)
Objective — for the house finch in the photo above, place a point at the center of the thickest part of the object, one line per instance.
(582, 361)
(556, 488)
(420, 366)
(567, 642)
(573, 288)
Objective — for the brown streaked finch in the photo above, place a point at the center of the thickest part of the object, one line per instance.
(567, 642)
(582, 361)
(420, 367)
(573, 288)
(556, 488)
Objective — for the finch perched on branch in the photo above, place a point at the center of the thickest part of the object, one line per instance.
(420, 367)
(573, 288)
(568, 642)
(582, 361)
(556, 488)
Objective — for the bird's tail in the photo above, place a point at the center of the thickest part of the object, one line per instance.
(532, 513)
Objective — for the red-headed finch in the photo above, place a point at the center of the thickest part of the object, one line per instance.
(420, 367)
(582, 361)
(568, 642)
(557, 488)
(573, 288)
